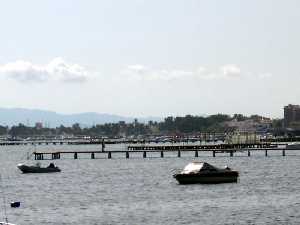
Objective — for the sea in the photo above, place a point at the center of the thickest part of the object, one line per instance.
(142, 191)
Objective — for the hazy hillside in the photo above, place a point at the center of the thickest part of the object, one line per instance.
(29, 117)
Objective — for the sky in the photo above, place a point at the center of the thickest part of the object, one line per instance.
(150, 57)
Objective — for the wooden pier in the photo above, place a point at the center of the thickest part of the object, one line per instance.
(201, 147)
(160, 153)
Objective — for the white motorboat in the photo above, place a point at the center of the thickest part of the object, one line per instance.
(38, 169)
(204, 173)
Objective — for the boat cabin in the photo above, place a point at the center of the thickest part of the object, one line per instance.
(196, 167)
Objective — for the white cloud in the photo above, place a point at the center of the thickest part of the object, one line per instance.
(265, 75)
(57, 70)
(231, 70)
(204, 73)
(141, 72)
(137, 67)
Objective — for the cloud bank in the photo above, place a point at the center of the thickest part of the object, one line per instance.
(141, 72)
(56, 70)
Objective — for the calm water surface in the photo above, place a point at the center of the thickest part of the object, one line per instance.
(142, 191)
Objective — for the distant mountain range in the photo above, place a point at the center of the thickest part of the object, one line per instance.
(14, 116)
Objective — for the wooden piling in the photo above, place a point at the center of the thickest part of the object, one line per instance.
(109, 155)
(92, 155)
(127, 155)
(214, 153)
(196, 153)
(266, 152)
(75, 155)
(283, 152)
(144, 154)
(231, 153)
(248, 153)
(161, 154)
(179, 153)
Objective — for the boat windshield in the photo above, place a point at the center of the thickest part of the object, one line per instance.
(196, 167)
(192, 168)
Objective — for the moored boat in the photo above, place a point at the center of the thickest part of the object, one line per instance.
(204, 173)
(38, 169)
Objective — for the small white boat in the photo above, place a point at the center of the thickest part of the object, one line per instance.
(38, 169)
(4, 223)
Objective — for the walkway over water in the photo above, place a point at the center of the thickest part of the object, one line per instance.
(201, 147)
(161, 150)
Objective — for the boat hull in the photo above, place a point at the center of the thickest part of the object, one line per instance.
(35, 169)
(209, 178)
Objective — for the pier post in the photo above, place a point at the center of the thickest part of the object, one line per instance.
(231, 153)
(196, 153)
(109, 155)
(161, 154)
(127, 155)
(248, 153)
(266, 153)
(102, 145)
(214, 153)
(53, 155)
(144, 154)
(179, 153)
(93, 155)
(283, 152)
(75, 155)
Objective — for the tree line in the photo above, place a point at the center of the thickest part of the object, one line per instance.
(169, 126)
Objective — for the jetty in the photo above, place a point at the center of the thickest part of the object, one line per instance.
(161, 150)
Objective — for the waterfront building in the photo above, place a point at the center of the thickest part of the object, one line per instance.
(243, 138)
(255, 125)
(292, 116)
(38, 125)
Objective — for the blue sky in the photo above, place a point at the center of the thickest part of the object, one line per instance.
(150, 58)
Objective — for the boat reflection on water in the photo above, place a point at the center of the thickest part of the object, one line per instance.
(204, 173)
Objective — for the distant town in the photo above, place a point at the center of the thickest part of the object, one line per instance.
(186, 126)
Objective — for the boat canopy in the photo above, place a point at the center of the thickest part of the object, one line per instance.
(195, 167)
